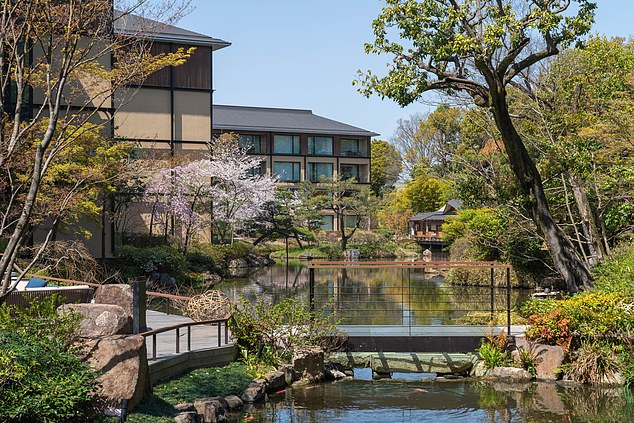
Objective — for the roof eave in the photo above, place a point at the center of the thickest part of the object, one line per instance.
(293, 130)
(215, 44)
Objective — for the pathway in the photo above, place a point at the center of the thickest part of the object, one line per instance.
(202, 336)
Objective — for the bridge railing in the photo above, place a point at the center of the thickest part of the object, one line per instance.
(414, 298)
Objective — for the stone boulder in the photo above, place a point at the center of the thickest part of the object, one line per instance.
(255, 391)
(116, 294)
(309, 364)
(351, 254)
(123, 362)
(239, 263)
(276, 380)
(513, 374)
(548, 358)
(100, 319)
(234, 402)
(187, 417)
(548, 361)
(212, 410)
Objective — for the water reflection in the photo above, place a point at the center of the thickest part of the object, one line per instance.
(373, 296)
(448, 402)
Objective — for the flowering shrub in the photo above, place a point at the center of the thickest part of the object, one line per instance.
(552, 329)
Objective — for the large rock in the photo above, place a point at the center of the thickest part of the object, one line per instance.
(100, 319)
(123, 361)
(439, 363)
(548, 361)
(209, 409)
(275, 380)
(239, 263)
(548, 358)
(234, 402)
(255, 391)
(187, 417)
(510, 374)
(309, 364)
(116, 294)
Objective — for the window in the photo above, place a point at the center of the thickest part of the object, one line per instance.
(319, 171)
(351, 148)
(286, 144)
(350, 221)
(327, 223)
(287, 171)
(256, 171)
(350, 171)
(320, 146)
(251, 143)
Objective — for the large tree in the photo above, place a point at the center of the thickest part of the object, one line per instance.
(385, 168)
(482, 48)
(54, 55)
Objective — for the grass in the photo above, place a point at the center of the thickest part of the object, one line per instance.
(484, 318)
(201, 383)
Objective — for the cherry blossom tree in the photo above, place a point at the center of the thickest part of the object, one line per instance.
(224, 190)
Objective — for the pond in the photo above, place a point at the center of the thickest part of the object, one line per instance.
(450, 401)
(388, 296)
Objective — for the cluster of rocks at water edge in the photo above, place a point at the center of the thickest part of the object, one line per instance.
(307, 367)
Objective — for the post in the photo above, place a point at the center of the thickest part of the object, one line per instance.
(139, 305)
(508, 301)
(311, 284)
(492, 294)
(178, 340)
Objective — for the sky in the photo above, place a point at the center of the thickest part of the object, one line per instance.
(305, 54)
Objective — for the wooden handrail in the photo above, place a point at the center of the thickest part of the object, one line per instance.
(184, 325)
(409, 264)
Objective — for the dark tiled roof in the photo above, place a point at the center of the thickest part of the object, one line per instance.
(236, 118)
(143, 27)
(449, 209)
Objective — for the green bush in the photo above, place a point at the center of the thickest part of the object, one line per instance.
(41, 320)
(282, 328)
(493, 350)
(593, 362)
(221, 255)
(41, 379)
(617, 274)
(331, 250)
(587, 315)
(161, 259)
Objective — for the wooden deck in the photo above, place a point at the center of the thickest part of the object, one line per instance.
(201, 337)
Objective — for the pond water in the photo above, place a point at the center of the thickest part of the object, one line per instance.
(446, 402)
(386, 296)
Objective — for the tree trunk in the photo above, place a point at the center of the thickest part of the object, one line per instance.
(587, 216)
(565, 257)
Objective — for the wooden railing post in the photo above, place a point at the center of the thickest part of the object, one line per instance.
(311, 284)
(508, 301)
(139, 306)
(492, 294)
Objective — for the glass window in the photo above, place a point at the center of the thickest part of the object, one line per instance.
(251, 143)
(320, 146)
(319, 171)
(350, 221)
(286, 144)
(327, 223)
(287, 171)
(256, 171)
(350, 147)
(350, 171)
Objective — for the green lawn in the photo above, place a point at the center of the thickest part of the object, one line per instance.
(201, 383)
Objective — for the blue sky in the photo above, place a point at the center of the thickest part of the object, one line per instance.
(305, 54)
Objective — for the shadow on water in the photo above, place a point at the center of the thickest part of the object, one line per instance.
(440, 402)
(385, 296)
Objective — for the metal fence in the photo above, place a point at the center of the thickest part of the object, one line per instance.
(358, 295)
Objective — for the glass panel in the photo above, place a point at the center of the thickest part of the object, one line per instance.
(251, 143)
(319, 171)
(350, 171)
(350, 221)
(327, 223)
(320, 146)
(286, 171)
(286, 144)
(257, 170)
(350, 147)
